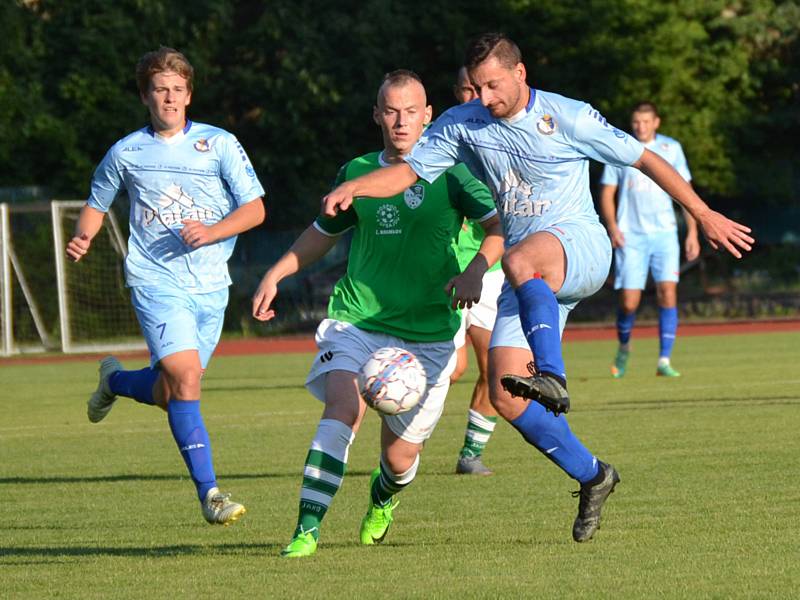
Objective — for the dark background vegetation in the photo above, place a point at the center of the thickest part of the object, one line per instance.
(295, 81)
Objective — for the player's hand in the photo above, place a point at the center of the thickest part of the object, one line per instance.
(464, 289)
(720, 231)
(338, 199)
(78, 246)
(262, 299)
(617, 238)
(196, 234)
(692, 247)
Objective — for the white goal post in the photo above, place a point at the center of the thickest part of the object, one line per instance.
(94, 308)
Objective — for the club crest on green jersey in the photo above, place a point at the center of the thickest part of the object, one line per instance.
(414, 196)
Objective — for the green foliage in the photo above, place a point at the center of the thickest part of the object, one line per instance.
(296, 80)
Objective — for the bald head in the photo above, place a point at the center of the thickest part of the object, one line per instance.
(402, 111)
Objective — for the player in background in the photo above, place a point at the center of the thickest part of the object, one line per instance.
(532, 148)
(644, 235)
(192, 190)
(477, 323)
(402, 287)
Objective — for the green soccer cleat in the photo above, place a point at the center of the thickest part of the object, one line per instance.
(620, 364)
(666, 371)
(303, 544)
(375, 523)
(101, 401)
(218, 509)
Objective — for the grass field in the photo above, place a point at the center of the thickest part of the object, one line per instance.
(708, 507)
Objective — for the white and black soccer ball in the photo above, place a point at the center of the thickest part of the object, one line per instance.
(392, 380)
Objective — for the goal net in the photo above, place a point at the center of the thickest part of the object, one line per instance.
(95, 313)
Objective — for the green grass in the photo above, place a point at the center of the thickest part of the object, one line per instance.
(707, 507)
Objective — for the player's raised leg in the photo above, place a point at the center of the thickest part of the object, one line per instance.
(115, 381)
(552, 436)
(536, 268)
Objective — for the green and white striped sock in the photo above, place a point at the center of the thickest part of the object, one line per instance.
(479, 430)
(323, 473)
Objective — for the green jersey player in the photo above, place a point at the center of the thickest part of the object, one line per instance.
(402, 288)
(477, 324)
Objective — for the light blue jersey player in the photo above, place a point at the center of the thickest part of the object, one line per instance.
(192, 189)
(532, 149)
(644, 235)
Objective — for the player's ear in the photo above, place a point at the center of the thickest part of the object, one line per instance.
(428, 114)
(521, 73)
(376, 115)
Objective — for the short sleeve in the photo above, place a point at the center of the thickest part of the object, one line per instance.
(594, 137)
(439, 150)
(681, 166)
(344, 220)
(237, 171)
(106, 184)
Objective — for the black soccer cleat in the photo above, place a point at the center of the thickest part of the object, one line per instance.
(593, 496)
(544, 388)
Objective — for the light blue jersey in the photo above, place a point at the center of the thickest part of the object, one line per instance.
(535, 163)
(201, 173)
(642, 206)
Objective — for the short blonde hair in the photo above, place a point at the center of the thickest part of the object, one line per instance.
(159, 61)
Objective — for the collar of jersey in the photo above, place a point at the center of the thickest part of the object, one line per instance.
(170, 140)
(521, 114)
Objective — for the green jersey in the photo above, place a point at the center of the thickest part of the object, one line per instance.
(467, 244)
(402, 253)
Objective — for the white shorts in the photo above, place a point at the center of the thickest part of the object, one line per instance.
(484, 313)
(345, 347)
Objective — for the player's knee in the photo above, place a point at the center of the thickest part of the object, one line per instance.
(185, 384)
(515, 268)
(457, 373)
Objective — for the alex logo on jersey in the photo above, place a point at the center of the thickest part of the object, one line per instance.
(174, 205)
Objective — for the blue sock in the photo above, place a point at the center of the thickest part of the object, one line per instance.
(190, 434)
(538, 312)
(135, 384)
(552, 436)
(667, 328)
(624, 325)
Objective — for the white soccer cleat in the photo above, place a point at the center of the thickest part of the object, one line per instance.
(103, 398)
(218, 509)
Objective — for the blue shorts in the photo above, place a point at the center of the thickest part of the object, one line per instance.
(657, 252)
(173, 320)
(588, 251)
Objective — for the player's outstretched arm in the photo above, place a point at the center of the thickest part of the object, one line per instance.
(718, 229)
(308, 248)
(247, 216)
(380, 183)
(465, 288)
(89, 223)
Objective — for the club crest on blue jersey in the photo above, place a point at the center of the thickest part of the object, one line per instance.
(546, 125)
(202, 145)
(414, 196)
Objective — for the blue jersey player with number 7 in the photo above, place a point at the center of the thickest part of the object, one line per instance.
(192, 189)
(532, 149)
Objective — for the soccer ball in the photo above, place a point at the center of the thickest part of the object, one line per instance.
(392, 381)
